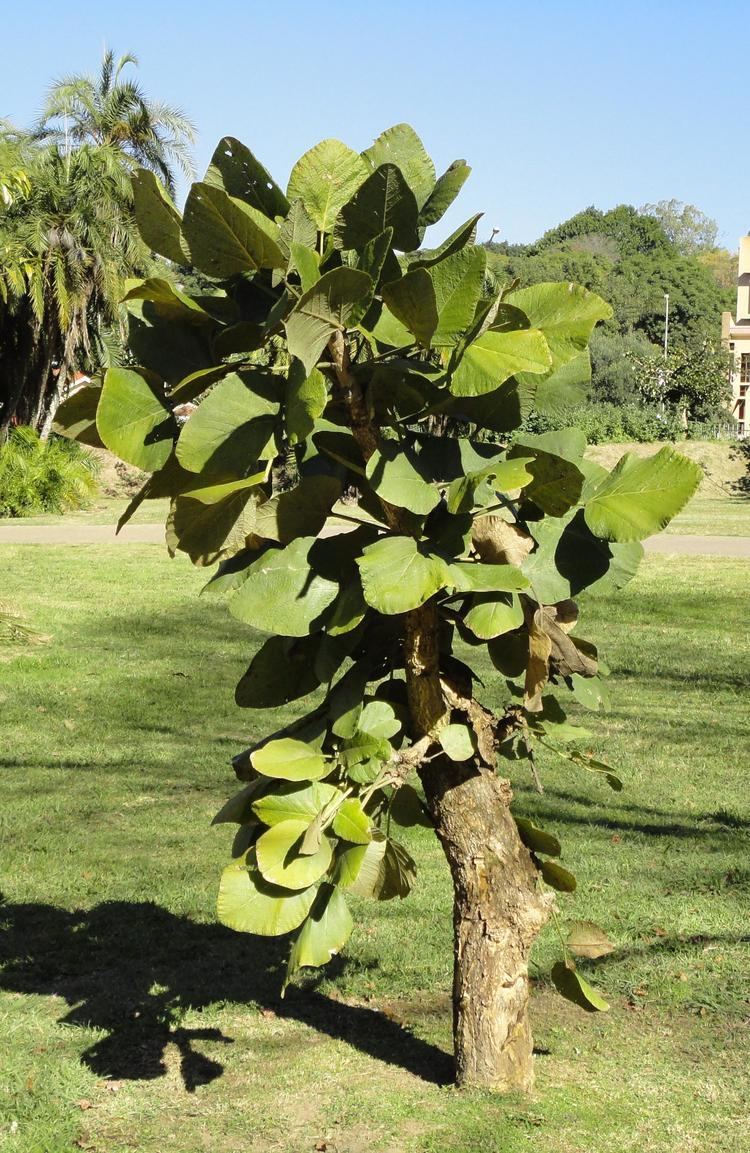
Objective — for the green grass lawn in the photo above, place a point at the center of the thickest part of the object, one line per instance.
(129, 1020)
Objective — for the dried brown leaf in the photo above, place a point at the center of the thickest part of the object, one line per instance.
(498, 542)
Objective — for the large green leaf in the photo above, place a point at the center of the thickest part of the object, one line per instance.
(569, 982)
(234, 168)
(293, 802)
(192, 386)
(157, 218)
(385, 200)
(464, 234)
(171, 349)
(569, 558)
(324, 179)
(352, 823)
(231, 428)
(324, 933)
(282, 594)
(133, 420)
(239, 808)
(76, 417)
(458, 742)
(281, 862)
(377, 258)
(214, 522)
(447, 188)
(396, 476)
(503, 410)
(288, 759)
(566, 387)
(640, 496)
(558, 479)
(298, 228)
(249, 904)
(305, 398)
(495, 357)
(557, 877)
(473, 576)
(386, 870)
(536, 839)
(326, 307)
(565, 313)
(282, 670)
(401, 146)
(378, 719)
(503, 475)
(301, 511)
(491, 616)
(398, 577)
(413, 302)
(227, 236)
(458, 282)
(169, 302)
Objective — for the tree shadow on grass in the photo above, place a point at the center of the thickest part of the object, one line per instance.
(617, 815)
(133, 968)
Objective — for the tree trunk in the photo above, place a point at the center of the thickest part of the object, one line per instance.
(498, 909)
(497, 913)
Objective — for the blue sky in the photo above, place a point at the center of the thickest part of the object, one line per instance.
(555, 105)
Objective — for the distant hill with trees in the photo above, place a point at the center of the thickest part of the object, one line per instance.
(632, 257)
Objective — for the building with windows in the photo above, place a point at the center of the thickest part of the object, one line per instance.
(735, 335)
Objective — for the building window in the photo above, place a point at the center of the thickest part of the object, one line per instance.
(743, 390)
(745, 368)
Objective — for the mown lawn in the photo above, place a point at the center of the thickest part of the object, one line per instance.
(130, 1020)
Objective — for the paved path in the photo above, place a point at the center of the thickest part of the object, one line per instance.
(77, 533)
(676, 544)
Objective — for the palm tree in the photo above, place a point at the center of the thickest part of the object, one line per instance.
(66, 248)
(113, 111)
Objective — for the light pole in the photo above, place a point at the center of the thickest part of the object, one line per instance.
(666, 323)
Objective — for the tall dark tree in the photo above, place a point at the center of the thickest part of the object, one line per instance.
(68, 239)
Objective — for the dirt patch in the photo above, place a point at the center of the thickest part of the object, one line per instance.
(116, 478)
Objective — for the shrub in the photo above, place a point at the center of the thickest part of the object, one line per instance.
(611, 423)
(44, 476)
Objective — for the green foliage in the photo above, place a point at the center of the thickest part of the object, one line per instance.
(44, 476)
(632, 258)
(344, 347)
(68, 239)
(612, 423)
(689, 229)
(694, 380)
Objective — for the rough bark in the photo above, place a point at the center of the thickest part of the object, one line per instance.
(497, 914)
(498, 909)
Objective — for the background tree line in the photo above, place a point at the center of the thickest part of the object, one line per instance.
(632, 257)
(68, 243)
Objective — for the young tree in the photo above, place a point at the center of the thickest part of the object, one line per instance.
(383, 562)
(690, 230)
(693, 380)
